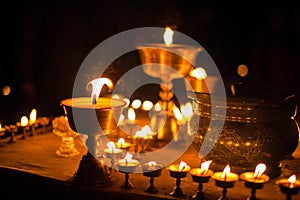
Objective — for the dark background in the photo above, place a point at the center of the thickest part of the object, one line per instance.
(43, 43)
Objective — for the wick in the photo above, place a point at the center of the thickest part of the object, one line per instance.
(94, 99)
(126, 162)
(203, 172)
(225, 177)
(290, 185)
(182, 168)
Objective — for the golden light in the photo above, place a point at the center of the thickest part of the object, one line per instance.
(147, 130)
(182, 166)
(128, 156)
(259, 170)
(97, 85)
(157, 107)
(115, 96)
(226, 171)
(121, 141)
(141, 133)
(152, 164)
(0, 126)
(168, 36)
(187, 110)
(198, 73)
(127, 102)
(205, 166)
(24, 121)
(32, 116)
(111, 146)
(147, 105)
(136, 104)
(292, 180)
(6, 90)
(131, 114)
(242, 70)
(177, 113)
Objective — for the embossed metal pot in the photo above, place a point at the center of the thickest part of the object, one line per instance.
(258, 128)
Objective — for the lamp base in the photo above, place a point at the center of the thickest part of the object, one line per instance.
(92, 173)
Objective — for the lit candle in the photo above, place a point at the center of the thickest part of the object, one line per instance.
(111, 151)
(24, 121)
(2, 130)
(127, 164)
(32, 116)
(97, 85)
(152, 169)
(121, 144)
(225, 178)
(289, 186)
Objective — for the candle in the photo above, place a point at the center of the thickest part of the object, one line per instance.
(32, 116)
(127, 165)
(111, 151)
(289, 186)
(2, 130)
(202, 174)
(152, 169)
(121, 144)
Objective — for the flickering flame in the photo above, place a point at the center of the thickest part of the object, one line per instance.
(32, 117)
(147, 130)
(259, 170)
(97, 85)
(140, 134)
(292, 180)
(131, 114)
(147, 105)
(24, 121)
(168, 36)
(111, 146)
(157, 107)
(177, 113)
(0, 126)
(187, 109)
(121, 141)
(128, 156)
(152, 164)
(182, 166)
(198, 73)
(205, 166)
(226, 171)
(136, 104)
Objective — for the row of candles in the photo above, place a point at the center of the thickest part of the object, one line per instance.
(25, 125)
(225, 179)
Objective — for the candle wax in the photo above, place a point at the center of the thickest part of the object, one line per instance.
(199, 172)
(231, 177)
(175, 168)
(249, 177)
(85, 102)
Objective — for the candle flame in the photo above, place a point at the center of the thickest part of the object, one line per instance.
(136, 104)
(97, 85)
(152, 163)
(147, 105)
(128, 156)
(131, 114)
(226, 171)
(24, 121)
(157, 107)
(177, 113)
(168, 36)
(32, 117)
(187, 110)
(111, 146)
(121, 141)
(0, 126)
(198, 73)
(182, 166)
(292, 179)
(205, 166)
(259, 170)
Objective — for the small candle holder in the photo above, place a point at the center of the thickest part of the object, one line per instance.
(24, 129)
(200, 176)
(289, 186)
(225, 180)
(127, 166)
(121, 144)
(12, 129)
(113, 154)
(152, 170)
(178, 171)
(255, 180)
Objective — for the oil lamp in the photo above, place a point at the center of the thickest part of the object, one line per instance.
(178, 171)
(121, 144)
(112, 153)
(24, 126)
(2, 130)
(201, 175)
(255, 180)
(152, 170)
(127, 166)
(225, 179)
(93, 116)
(167, 61)
(289, 186)
(32, 121)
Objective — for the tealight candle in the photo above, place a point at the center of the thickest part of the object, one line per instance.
(289, 186)
(255, 180)
(152, 169)
(201, 175)
(32, 120)
(127, 165)
(121, 144)
(225, 179)
(178, 171)
(2, 130)
(112, 152)
(24, 125)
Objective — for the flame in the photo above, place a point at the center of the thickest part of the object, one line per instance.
(131, 114)
(121, 141)
(205, 166)
(292, 179)
(147, 105)
(152, 164)
(147, 130)
(136, 103)
(157, 107)
(187, 110)
(182, 166)
(128, 156)
(226, 171)
(177, 113)
(259, 170)
(0, 126)
(198, 73)
(168, 36)
(24, 121)
(97, 85)
(111, 146)
(32, 117)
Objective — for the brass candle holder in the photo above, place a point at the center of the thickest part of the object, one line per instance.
(255, 180)
(152, 170)
(24, 126)
(121, 144)
(225, 180)
(201, 176)
(12, 129)
(289, 186)
(127, 166)
(112, 153)
(178, 171)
